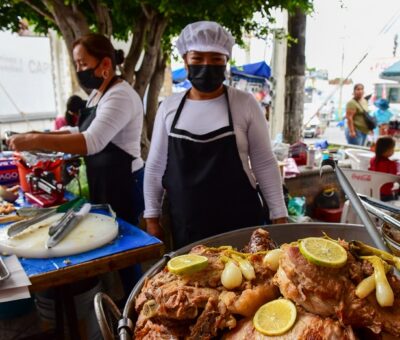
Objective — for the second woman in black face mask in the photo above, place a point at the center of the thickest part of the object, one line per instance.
(201, 145)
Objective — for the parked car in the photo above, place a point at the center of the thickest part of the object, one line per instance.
(311, 128)
(311, 131)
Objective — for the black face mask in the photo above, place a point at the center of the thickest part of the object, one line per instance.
(206, 78)
(88, 79)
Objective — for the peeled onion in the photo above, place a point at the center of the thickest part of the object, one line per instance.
(365, 287)
(245, 267)
(384, 293)
(271, 259)
(231, 276)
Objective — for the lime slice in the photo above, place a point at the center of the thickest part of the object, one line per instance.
(275, 317)
(187, 264)
(323, 252)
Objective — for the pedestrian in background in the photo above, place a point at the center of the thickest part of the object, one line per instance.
(356, 130)
(382, 116)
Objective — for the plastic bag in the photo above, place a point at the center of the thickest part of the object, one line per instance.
(281, 151)
(79, 185)
(297, 206)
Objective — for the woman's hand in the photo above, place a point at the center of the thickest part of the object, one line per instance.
(280, 220)
(22, 142)
(153, 227)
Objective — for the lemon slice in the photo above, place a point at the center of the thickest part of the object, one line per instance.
(187, 264)
(323, 252)
(275, 317)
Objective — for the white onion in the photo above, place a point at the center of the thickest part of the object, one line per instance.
(231, 276)
(365, 287)
(246, 267)
(271, 259)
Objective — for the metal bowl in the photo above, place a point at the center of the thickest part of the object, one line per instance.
(280, 233)
(393, 245)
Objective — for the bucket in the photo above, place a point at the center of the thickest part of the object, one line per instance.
(14, 309)
(53, 166)
(84, 307)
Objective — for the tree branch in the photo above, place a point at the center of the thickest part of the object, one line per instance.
(102, 16)
(153, 43)
(47, 15)
(139, 34)
(146, 12)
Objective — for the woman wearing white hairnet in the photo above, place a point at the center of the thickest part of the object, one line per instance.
(201, 146)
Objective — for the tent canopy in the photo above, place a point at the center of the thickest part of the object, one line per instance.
(392, 72)
(179, 75)
(258, 70)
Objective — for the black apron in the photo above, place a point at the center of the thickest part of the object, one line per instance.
(109, 172)
(208, 190)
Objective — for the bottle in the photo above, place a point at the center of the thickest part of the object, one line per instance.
(310, 157)
(325, 155)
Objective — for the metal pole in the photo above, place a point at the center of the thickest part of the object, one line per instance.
(356, 203)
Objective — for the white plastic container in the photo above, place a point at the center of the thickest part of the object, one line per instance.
(359, 159)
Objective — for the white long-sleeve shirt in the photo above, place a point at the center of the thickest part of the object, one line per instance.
(119, 119)
(203, 116)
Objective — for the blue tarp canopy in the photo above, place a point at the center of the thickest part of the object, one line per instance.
(179, 75)
(392, 72)
(256, 70)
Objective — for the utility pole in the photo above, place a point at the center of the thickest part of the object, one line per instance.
(340, 113)
(295, 78)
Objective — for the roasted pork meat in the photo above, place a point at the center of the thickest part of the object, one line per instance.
(330, 292)
(197, 306)
(307, 327)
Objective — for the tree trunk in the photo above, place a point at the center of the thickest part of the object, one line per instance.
(155, 86)
(71, 22)
(136, 48)
(153, 45)
(295, 77)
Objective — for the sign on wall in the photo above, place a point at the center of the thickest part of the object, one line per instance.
(26, 81)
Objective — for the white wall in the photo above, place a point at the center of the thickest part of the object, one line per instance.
(26, 83)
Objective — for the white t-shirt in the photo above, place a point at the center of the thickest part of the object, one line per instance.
(203, 116)
(119, 119)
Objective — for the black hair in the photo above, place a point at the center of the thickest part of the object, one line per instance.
(357, 85)
(99, 46)
(74, 104)
(383, 144)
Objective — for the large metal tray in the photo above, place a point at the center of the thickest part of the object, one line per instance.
(280, 233)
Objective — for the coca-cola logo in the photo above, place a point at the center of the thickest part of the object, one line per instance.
(365, 177)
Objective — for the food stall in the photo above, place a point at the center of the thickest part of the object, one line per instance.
(58, 240)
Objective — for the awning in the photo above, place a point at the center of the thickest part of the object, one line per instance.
(179, 75)
(258, 70)
(392, 72)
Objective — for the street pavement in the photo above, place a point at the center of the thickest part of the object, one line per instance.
(332, 134)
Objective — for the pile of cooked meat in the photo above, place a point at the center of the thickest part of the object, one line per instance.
(198, 306)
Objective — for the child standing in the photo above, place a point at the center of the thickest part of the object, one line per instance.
(384, 148)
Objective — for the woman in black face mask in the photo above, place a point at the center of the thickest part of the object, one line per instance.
(201, 146)
(109, 130)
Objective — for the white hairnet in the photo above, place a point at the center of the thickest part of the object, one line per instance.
(205, 36)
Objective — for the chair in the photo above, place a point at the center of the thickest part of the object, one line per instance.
(367, 183)
(359, 159)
